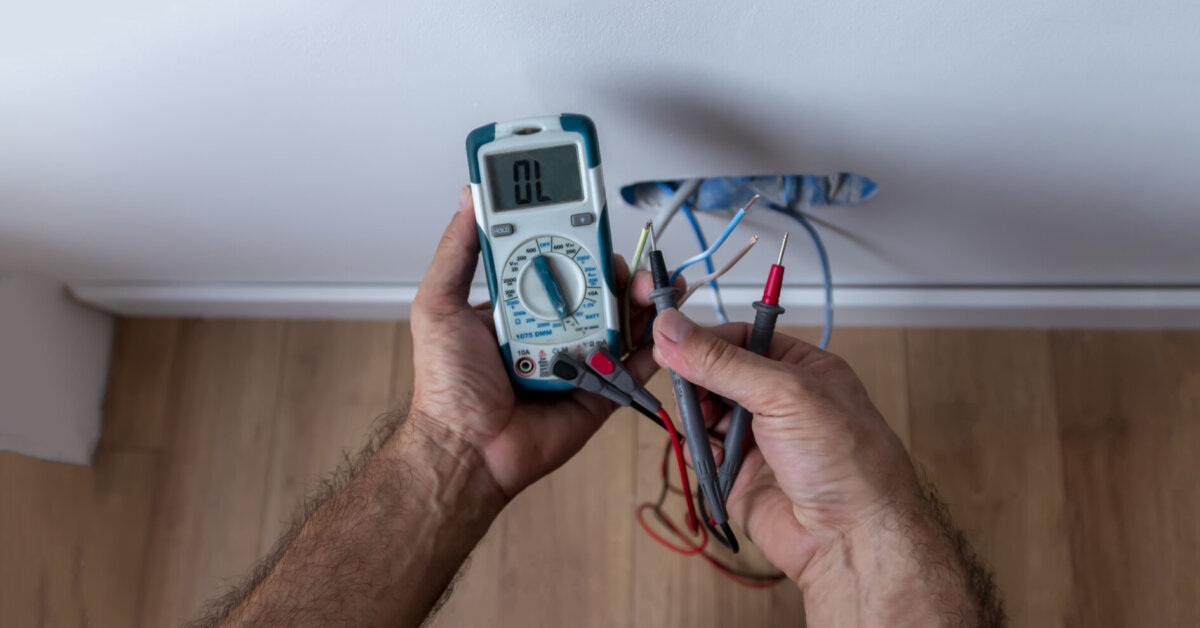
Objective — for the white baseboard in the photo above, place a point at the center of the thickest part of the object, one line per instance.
(1074, 307)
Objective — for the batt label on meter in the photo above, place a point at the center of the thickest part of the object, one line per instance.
(547, 252)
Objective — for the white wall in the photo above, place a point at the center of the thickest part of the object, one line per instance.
(53, 363)
(1016, 143)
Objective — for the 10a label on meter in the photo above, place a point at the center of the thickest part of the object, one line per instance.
(555, 299)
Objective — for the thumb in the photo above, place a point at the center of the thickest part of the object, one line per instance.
(447, 282)
(711, 362)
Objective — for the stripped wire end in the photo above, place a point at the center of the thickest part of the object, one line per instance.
(724, 269)
(707, 253)
(647, 231)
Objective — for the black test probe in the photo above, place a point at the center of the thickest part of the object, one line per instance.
(768, 312)
(665, 297)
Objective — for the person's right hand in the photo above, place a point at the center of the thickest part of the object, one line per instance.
(823, 464)
(826, 490)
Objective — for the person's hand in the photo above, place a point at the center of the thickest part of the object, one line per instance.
(461, 384)
(823, 463)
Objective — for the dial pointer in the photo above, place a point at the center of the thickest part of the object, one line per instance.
(545, 274)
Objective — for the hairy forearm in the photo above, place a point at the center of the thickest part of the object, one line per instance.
(383, 548)
(908, 567)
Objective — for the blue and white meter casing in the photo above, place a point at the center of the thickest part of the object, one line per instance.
(547, 251)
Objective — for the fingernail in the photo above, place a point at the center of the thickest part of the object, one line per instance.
(674, 325)
(464, 198)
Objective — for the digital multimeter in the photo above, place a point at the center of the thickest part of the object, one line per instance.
(547, 251)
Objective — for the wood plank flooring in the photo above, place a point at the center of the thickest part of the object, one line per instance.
(1070, 458)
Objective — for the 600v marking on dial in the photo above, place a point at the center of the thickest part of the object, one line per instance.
(551, 289)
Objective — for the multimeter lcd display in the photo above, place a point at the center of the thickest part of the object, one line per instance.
(532, 178)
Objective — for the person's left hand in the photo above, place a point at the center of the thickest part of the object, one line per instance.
(461, 383)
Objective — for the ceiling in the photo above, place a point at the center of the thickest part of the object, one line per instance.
(1017, 143)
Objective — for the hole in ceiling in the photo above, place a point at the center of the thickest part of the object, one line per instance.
(841, 189)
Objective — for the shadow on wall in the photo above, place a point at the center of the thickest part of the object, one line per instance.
(752, 128)
(728, 127)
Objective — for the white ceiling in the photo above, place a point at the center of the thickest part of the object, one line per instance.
(1020, 142)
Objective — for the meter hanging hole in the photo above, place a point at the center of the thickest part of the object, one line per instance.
(527, 130)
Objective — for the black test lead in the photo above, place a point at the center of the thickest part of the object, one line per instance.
(665, 298)
(768, 312)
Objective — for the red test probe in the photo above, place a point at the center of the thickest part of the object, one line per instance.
(768, 312)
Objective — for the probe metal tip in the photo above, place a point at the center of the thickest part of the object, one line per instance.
(782, 248)
(733, 544)
(653, 246)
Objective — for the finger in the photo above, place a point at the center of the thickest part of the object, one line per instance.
(641, 364)
(784, 348)
(620, 282)
(718, 449)
(448, 279)
(766, 515)
(709, 360)
(639, 323)
(722, 425)
(620, 272)
(713, 411)
(643, 285)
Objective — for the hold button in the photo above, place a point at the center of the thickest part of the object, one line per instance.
(579, 220)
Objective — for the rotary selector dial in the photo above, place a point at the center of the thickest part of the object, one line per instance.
(553, 300)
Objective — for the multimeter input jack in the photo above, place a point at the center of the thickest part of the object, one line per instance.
(525, 366)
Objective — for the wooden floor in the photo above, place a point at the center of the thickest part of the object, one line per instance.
(1072, 459)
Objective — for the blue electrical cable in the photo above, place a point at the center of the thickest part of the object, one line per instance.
(741, 213)
(707, 253)
(708, 263)
(791, 210)
(828, 331)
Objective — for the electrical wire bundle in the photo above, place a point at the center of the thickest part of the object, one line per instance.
(684, 200)
(768, 311)
(686, 546)
(602, 373)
